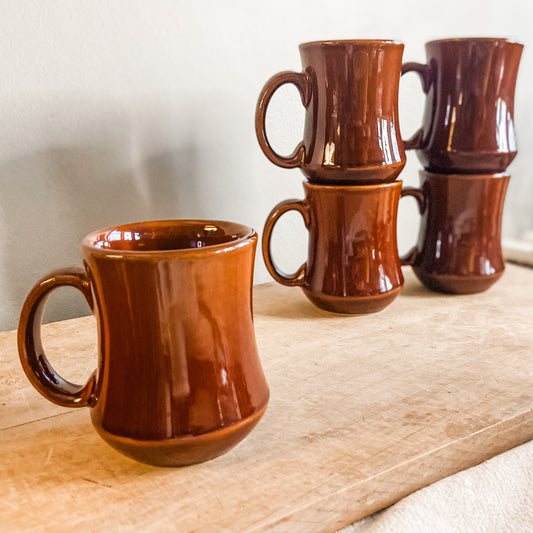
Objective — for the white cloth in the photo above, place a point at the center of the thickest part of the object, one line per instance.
(519, 250)
(493, 497)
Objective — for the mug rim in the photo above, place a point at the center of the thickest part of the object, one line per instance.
(352, 188)
(337, 42)
(475, 39)
(471, 177)
(248, 235)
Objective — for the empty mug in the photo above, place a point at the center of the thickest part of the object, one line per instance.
(468, 124)
(350, 93)
(459, 244)
(179, 380)
(353, 264)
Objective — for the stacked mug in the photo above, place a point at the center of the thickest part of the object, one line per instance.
(351, 155)
(465, 144)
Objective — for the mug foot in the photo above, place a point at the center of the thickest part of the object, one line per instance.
(457, 284)
(360, 175)
(182, 451)
(353, 305)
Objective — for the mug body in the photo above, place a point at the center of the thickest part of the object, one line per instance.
(468, 124)
(351, 126)
(459, 248)
(353, 264)
(179, 379)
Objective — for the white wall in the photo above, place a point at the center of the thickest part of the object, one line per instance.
(119, 111)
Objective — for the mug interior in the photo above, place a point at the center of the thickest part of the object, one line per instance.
(476, 40)
(351, 43)
(167, 235)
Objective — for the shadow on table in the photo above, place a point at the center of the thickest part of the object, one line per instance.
(292, 303)
(295, 306)
(296, 310)
(414, 288)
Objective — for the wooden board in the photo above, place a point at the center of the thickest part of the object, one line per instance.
(363, 411)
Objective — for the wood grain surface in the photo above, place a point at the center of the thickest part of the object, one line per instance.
(363, 411)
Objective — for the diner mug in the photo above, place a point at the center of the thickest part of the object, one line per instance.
(350, 93)
(468, 124)
(353, 264)
(459, 244)
(178, 380)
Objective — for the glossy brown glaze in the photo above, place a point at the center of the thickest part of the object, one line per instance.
(459, 245)
(353, 265)
(179, 379)
(350, 93)
(468, 124)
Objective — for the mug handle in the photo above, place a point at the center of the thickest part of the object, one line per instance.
(424, 72)
(34, 361)
(291, 280)
(419, 196)
(303, 84)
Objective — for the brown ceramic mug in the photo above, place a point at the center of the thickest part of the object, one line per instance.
(468, 124)
(353, 265)
(459, 244)
(350, 93)
(179, 380)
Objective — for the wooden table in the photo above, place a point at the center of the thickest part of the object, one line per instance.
(363, 411)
